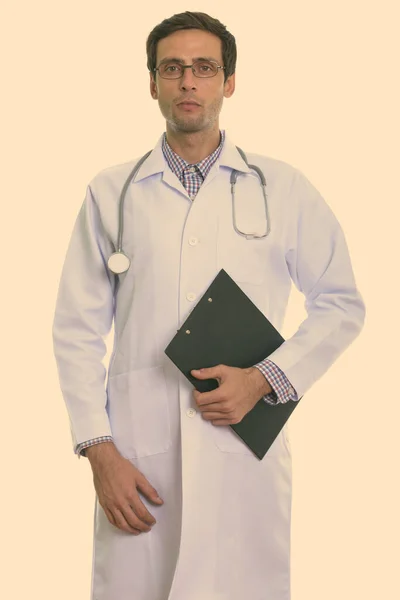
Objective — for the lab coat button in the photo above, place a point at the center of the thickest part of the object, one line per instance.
(191, 412)
(190, 296)
(193, 241)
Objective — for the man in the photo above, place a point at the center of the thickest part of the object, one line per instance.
(221, 529)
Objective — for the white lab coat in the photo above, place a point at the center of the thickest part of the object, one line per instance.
(223, 532)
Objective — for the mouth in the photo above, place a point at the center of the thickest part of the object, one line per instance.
(188, 105)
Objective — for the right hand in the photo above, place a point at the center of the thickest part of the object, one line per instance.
(116, 481)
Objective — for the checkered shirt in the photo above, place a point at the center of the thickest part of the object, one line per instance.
(192, 176)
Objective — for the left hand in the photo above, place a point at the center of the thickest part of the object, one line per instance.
(238, 392)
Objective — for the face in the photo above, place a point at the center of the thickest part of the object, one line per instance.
(209, 93)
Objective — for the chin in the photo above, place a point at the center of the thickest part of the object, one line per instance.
(188, 125)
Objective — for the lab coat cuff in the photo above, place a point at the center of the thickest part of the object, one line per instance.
(80, 448)
(90, 428)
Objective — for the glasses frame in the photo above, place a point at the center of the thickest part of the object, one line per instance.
(190, 67)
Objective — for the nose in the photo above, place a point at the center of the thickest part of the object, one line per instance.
(188, 80)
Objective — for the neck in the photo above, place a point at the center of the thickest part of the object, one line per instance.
(194, 146)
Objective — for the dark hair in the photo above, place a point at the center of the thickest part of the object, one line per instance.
(192, 20)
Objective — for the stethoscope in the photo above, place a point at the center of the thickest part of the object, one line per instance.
(119, 262)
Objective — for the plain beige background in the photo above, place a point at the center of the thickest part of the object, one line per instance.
(316, 87)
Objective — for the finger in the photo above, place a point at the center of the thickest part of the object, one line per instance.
(216, 407)
(134, 520)
(207, 397)
(122, 523)
(210, 416)
(109, 516)
(140, 512)
(220, 419)
(149, 491)
(221, 422)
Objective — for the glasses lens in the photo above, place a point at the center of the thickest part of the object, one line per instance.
(204, 68)
(170, 70)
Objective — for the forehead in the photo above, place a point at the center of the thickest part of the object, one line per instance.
(189, 44)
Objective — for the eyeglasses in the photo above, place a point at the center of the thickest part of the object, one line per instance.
(200, 68)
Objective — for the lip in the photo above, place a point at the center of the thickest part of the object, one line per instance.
(188, 103)
(189, 107)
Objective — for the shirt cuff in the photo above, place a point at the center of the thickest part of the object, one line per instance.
(80, 448)
(282, 389)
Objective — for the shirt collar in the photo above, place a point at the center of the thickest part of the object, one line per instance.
(157, 163)
(177, 164)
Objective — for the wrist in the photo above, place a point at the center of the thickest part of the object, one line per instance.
(100, 450)
(262, 384)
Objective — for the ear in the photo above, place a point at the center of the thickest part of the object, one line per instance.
(153, 88)
(229, 86)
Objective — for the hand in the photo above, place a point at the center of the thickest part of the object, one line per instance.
(238, 392)
(116, 482)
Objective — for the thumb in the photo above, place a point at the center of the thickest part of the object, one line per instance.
(207, 373)
(203, 373)
(197, 372)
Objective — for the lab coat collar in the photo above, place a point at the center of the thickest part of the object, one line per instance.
(156, 163)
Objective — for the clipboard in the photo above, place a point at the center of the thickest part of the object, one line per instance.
(226, 327)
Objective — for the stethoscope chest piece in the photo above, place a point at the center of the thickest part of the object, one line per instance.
(118, 262)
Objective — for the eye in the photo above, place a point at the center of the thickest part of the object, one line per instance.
(206, 68)
(170, 68)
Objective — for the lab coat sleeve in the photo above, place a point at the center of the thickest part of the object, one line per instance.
(319, 264)
(83, 317)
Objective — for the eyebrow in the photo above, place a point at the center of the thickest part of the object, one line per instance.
(182, 62)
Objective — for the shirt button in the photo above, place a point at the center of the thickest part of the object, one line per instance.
(291, 391)
(190, 296)
(193, 241)
(191, 170)
(191, 412)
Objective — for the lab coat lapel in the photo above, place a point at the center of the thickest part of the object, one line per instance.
(156, 163)
(229, 157)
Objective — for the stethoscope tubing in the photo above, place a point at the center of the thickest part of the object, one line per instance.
(234, 175)
(122, 199)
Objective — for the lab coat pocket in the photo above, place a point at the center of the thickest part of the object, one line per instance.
(227, 440)
(245, 260)
(242, 259)
(138, 412)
